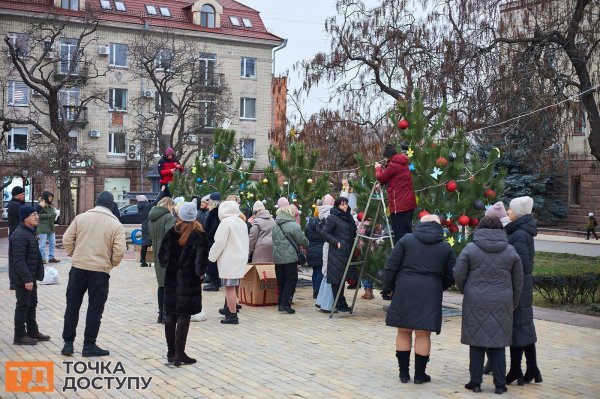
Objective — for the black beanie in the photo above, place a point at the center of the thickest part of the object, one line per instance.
(389, 151)
(17, 190)
(25, 211)
(105, 199)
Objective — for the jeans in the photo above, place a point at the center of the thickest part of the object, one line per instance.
(287, 278)
(25, 311)
(317, 276)
(366, 283)
(401, 224)
(96, 284)
(51, 237)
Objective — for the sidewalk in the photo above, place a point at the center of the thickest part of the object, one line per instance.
(567, 239)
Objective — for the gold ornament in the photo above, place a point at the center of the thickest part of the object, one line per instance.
(265, 180)
(309, 181)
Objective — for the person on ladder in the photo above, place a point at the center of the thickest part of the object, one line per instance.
(401, 194)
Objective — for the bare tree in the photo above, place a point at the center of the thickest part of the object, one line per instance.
(184, 97)
(58, 68)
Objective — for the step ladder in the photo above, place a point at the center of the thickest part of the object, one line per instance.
(375, 195)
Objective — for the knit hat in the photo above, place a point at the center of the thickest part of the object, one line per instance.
(389, 151)
(17, 190)
(430, 218)
(215, 196)
(591, 214)
(105, 199)
(328, 200)
(497, 210)
(188, 212)
(169, 151)
(25, 211)
(258, 206)
(141, 198)
(281, 202)
(205, 198)
(521, 206)
(178, 200)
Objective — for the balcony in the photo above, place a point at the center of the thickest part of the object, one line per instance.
(63, 67)
(211, 82)
(71, 113)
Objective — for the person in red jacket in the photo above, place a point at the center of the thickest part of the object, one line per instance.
(401, 194)
(167, 165)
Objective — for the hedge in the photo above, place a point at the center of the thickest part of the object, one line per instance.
(568, 288)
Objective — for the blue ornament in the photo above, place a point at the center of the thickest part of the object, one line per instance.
(411, 166)
(212, 179)
(199, 180)
(242, 186)
(273, 163)
(216, 155)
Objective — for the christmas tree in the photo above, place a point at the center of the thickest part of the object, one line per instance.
(222, 170)
(291, 174)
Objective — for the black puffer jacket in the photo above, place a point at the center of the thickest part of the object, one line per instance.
(418, 270)
(339, 227)
(184, 268)
(143, 209)
(13, 214)
(24, 258)
(211, 225)
(315, 243)
(520, 235)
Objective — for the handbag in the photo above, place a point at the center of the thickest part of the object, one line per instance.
(299, 254)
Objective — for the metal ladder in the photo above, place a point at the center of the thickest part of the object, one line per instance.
(376, 195)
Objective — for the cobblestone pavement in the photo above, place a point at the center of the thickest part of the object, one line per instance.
(275, 355)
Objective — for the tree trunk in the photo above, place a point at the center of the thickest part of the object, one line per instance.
(64, 187)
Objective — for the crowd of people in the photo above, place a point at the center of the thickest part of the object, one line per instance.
(210, 241)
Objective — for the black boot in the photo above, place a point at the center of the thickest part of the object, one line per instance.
(403, 365)
(161, 316)
(420, 365)
(500, 389)
(170, 324)
(231, 318)
(515, 373)
(225, 309)
(471, 386)
(181, 332)
(533, 372)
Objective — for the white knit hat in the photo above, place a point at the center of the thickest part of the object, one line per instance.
(178, 200)
(188, 212)
(521, 206)
(258, 206)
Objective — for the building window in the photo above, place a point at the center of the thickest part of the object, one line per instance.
(165, 11)
(17, 139)
(151, 9)
(105, 4)
(68, 56)
(116, 143)
(234, 20)
(164, 58)
(118, 54)
(168, 102)
(247, 108)
(70, 4)
(117, 99)
(208, 114)
(247, 148)
(247, 22)
(207, 64)
(69, 99)
(207, 16)
(576, 190)
(73, 135)
(120, 6)
(20, 42)
(580, 121)
(17, 94)
(248, 69)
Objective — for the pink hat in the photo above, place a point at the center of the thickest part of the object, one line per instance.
(498, 211)
(169, 151)
(281, 202)
(328, 200)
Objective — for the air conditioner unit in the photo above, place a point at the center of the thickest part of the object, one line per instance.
(148, 94)
(50, 55)
(133, 152)
(36, 132)
(192, 138)
(95, 133)
(103, 50)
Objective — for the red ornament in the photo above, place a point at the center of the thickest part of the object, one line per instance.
(453, 228)
(451, 186)
(474, 222)
(441, 162)
(403, 124)
(463, 220)
(490, 194)
(448, 222)
(423, 213)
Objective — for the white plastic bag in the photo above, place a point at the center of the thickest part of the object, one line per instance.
(50, 276)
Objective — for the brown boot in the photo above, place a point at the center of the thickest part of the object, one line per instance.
(368, 294)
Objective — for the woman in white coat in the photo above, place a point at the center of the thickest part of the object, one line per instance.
(230, 252)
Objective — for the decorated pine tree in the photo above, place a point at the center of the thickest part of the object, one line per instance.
(222, 170)
(291, 175)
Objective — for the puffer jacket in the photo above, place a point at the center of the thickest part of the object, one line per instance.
(24, 258)
(315, 243)
(324, 211)
(398, 181)
(283, 251)
(47, 215)
(231, 247)
(144, 209)
(489, 273)
(160, 221)
(340, 227)
(520, 235)
(13, 214)
(261, 237)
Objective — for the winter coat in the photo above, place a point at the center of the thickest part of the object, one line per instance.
(160, 221)
(231, 247)
(211, 225)
(24, 257)
(164, 169)
(13, 214)
(283, 251)
(95, 240)
(47, 215)
(184, 269)
(324, 211)
(398, 181)
(312, 231)
(144, 209)
(339, 228)
(520, 235)
(592, 223)
(489, 273)
(261, 237)
(418, 270)
(202, 215)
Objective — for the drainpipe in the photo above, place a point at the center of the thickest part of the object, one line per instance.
(276, 49)
(144, 29)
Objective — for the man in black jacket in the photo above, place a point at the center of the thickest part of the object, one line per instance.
(16, 202)
(24, 267)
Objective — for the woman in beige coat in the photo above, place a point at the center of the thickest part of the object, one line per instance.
(261, 234)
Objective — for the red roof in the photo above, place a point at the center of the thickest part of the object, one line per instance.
(181, 15)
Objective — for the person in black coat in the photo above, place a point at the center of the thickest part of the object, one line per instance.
(24, 268)
(210, 226)
(339, 231)
(315, 252)
(144, 209)
(521, 230)
(15, 203)
(417, 271)
(184, 253)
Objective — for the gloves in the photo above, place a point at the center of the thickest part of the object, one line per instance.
(386, 295)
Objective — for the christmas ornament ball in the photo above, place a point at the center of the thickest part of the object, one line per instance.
(464, 220)
(453, 228)
(441, 162)
(451, 186)
(309, 181)
(204, 164)
(473, 222)
(423, 213)
(199, 180)
(265, 180)
(490, 194)
(452, 156)
(478, 204)
(403, 124)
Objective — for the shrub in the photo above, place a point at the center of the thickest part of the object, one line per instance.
(568, 288)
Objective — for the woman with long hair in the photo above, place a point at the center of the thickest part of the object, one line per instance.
(184, 254)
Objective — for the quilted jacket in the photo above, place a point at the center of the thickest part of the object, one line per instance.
(489, 272)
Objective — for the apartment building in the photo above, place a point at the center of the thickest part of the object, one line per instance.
(236, 53)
